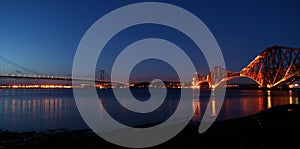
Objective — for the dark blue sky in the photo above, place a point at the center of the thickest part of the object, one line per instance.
(44, 35)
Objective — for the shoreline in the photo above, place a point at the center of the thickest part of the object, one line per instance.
(274, 127)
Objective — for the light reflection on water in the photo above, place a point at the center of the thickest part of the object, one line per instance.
(239, 103)
(42, 109)
(38, 110)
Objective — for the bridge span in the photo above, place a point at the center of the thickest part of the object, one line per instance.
(275, 66)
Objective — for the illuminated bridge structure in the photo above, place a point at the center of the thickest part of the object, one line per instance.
(9, 69)
(12, 70)
(275, 66)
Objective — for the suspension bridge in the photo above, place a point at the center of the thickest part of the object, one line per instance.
(12, 70)
(21, 75)
(9, 69)
(275, 66)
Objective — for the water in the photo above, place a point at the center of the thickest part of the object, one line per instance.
(38, 109)
(44, 109)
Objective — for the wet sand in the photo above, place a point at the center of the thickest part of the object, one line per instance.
(277, 127)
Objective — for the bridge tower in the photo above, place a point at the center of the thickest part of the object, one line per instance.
(102, 75)
(195, 80)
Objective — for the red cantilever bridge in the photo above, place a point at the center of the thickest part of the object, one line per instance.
(275, 66)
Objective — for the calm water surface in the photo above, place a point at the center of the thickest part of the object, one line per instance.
(43, 109)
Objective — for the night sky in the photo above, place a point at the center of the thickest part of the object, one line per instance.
(44, 35)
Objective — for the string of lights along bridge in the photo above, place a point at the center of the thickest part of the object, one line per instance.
(12, 70)
(275, 66)
(9, 69)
